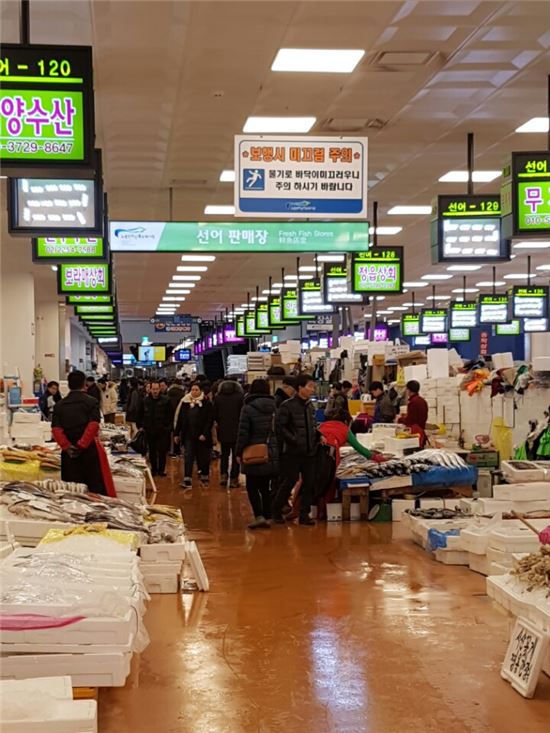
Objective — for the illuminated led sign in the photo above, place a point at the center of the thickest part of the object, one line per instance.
(379, 270)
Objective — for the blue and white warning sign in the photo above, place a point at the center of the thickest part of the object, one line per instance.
(301, 177)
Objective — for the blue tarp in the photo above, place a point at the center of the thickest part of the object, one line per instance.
(438, 475)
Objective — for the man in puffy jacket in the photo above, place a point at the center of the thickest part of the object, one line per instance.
(227, 410)
(285, 391)
(298, 440)
(384, 410)
(157, 422)
(175, 394)
(109, 400)
(75, 425)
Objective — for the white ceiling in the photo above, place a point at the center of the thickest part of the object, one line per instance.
(176, 80)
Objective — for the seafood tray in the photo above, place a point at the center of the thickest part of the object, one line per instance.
(163, 552)
(521, 471)
(85, 670)
(527, 491)
(513, 595)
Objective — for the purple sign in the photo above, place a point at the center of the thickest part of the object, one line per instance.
(380, 333)
(230, 335)
(439, 338)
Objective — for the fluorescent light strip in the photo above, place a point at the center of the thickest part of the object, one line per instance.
(436, 276)
(464, 268)
(532, 245)
(519, 276)
(317, 60)
(192, 268)
(219, 210)
(535, 124)
(278, 124)
(410, 210)
(177, 291)
(198, 258)
(331, 258)
(387, 231)
(227, 176)
(489, 284)
(186, 277)
(462, 176)
(417, 284)
(466, 290)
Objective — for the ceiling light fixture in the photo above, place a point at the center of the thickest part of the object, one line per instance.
(436, 276)
(535, 124)
(416, 284)
(489, 284)
(308, 268)
(464, 268)
(387, 231)
(438, 297)
(543, 268)
(175, 299)
(227, 176)
(278, 124)
(187, 277)
(219, 210)
(331, 258)
(198, 258)
(54, 268)
(192, 268)
(519, 276)
(413, 305)
(532, 245)
(410, 210)
(317, 60)
(466, 290)
(462, 176)
(183, 284)
(177, 291)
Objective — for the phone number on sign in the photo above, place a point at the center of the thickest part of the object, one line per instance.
(27, 146)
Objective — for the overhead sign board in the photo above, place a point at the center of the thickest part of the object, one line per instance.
(172, 324)
(250, 328)
(463, 314)
(58, 249)
(82, 310)
(301, 177)
(410, 325)
(262, 317)
(459, 335)
(433, 320)
(90, 279)
(526, 195)
(468, 228)
(535, 325)
(378, 270)
(493, 308)
(46, 106)
(311, 299)
(254, 237)
(322, 322)
(336, 287)
(530, 301)
(82, 299)
(512, 328)
(290, 308)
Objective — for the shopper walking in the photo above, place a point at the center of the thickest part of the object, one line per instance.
(92, 389)
(123, 392)
(175, 394)
(256, 427)
(227, 410)
(285, 391)
(416, 416)
(384, 411)
(109, 400)
(157, 420)
(298, 440)
(134, 407)
(337, 401)
(75, 425)
(193, 426)
(49, 400)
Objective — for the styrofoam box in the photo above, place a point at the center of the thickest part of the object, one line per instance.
(451, 557)
(479, 563)
(334, 512)
(166, 583)
(26, 417)
(101, 630)
(37, 648)
(398, 506)
(531, 491)
(160, 568)
(70, 716)
(513, 539)
(162, 552)
(60, 688)
(85, 670)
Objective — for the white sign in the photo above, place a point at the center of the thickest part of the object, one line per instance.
(301, 177)
(525, 657)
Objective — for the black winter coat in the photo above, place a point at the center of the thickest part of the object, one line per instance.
(195, 421)
(157, 414)
(296, 428)
(175, 394)
(256, 426)
(134, 407)
(280, 397)
(74, 412)
(227, 410)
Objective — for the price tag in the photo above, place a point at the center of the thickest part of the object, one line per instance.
(524, 657)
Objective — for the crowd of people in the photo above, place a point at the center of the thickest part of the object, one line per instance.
(274, 440)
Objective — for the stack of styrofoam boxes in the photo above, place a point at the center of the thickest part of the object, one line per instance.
(428, 391)
(257, 364)
(4, 427)
(96, 650)
(448, 405)
(28, 427)
(130, 489)
(28, 532)
(45, 705)
(161, 566)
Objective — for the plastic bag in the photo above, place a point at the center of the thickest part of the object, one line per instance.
(501, 435)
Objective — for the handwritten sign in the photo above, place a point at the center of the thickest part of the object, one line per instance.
(524, 657)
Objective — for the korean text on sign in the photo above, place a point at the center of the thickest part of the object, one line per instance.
(85, 277)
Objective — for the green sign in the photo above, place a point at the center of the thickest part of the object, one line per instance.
(526, 195)
(508, 329)
(290, 305)
(240, 327)
(311, 301)
(68, 248)
(493, 308)
(88, 279)
(433, 320)
(250, 328)
(463, 314)
(81, 310)
(410, 325)
(262, 317)
(192, 236)
(457, 335)
(530, 301)
(379, 270)
(79, 299)
(106, 318)
(46, 105)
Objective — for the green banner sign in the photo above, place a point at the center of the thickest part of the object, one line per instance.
(46, 105)
(88, 279)
(80, 299)
(526, 195)
(81, 310)
(68, 248)
(379, 270)
(410, 325)
(192, 236)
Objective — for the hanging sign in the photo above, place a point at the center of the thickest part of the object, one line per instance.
(320, 323)
(81, 299)
(89, 279)
(290, 305)
(203, 236)
(301, 177)
(240, 327)
(410, 325)
(59, 249)
(46, 106)
(530, 301)
(82, 310)
(433, 320)
(439, 338)
(467, 228)
(311, 298)
(336, 288)
(172, 324)
(262, 317)
(182, 355)
(379, 270)
(457, 335)
(250, 327)
(463, 314)
(531, 325)
(493, 308)
(508, 329)
(230, 334)
(526, 195)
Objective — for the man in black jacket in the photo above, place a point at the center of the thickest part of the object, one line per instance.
(75, 425)
(298, 439)
(157, 422)
(92, 389)
(285, 391)
(227, 410)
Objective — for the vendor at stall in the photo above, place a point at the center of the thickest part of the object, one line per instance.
(384, 411)
(416, 416)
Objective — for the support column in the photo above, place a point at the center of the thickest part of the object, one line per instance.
(47, 340)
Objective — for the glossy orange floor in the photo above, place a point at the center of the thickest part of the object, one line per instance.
(345, 628)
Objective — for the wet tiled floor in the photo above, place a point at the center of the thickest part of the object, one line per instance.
(344, 628)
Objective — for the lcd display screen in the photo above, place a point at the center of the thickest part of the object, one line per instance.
(530, 302)
(433, 321)
(311, 298)
(379, 270)
(150, 354)
(336, 286)
(508, 329)
(90, 279)
(410, 325)
(493, 309)
(459, 334)
(463, 315)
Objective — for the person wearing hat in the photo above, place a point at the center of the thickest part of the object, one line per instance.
(384, 410)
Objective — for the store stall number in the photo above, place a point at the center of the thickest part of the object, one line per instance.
(53, 67)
